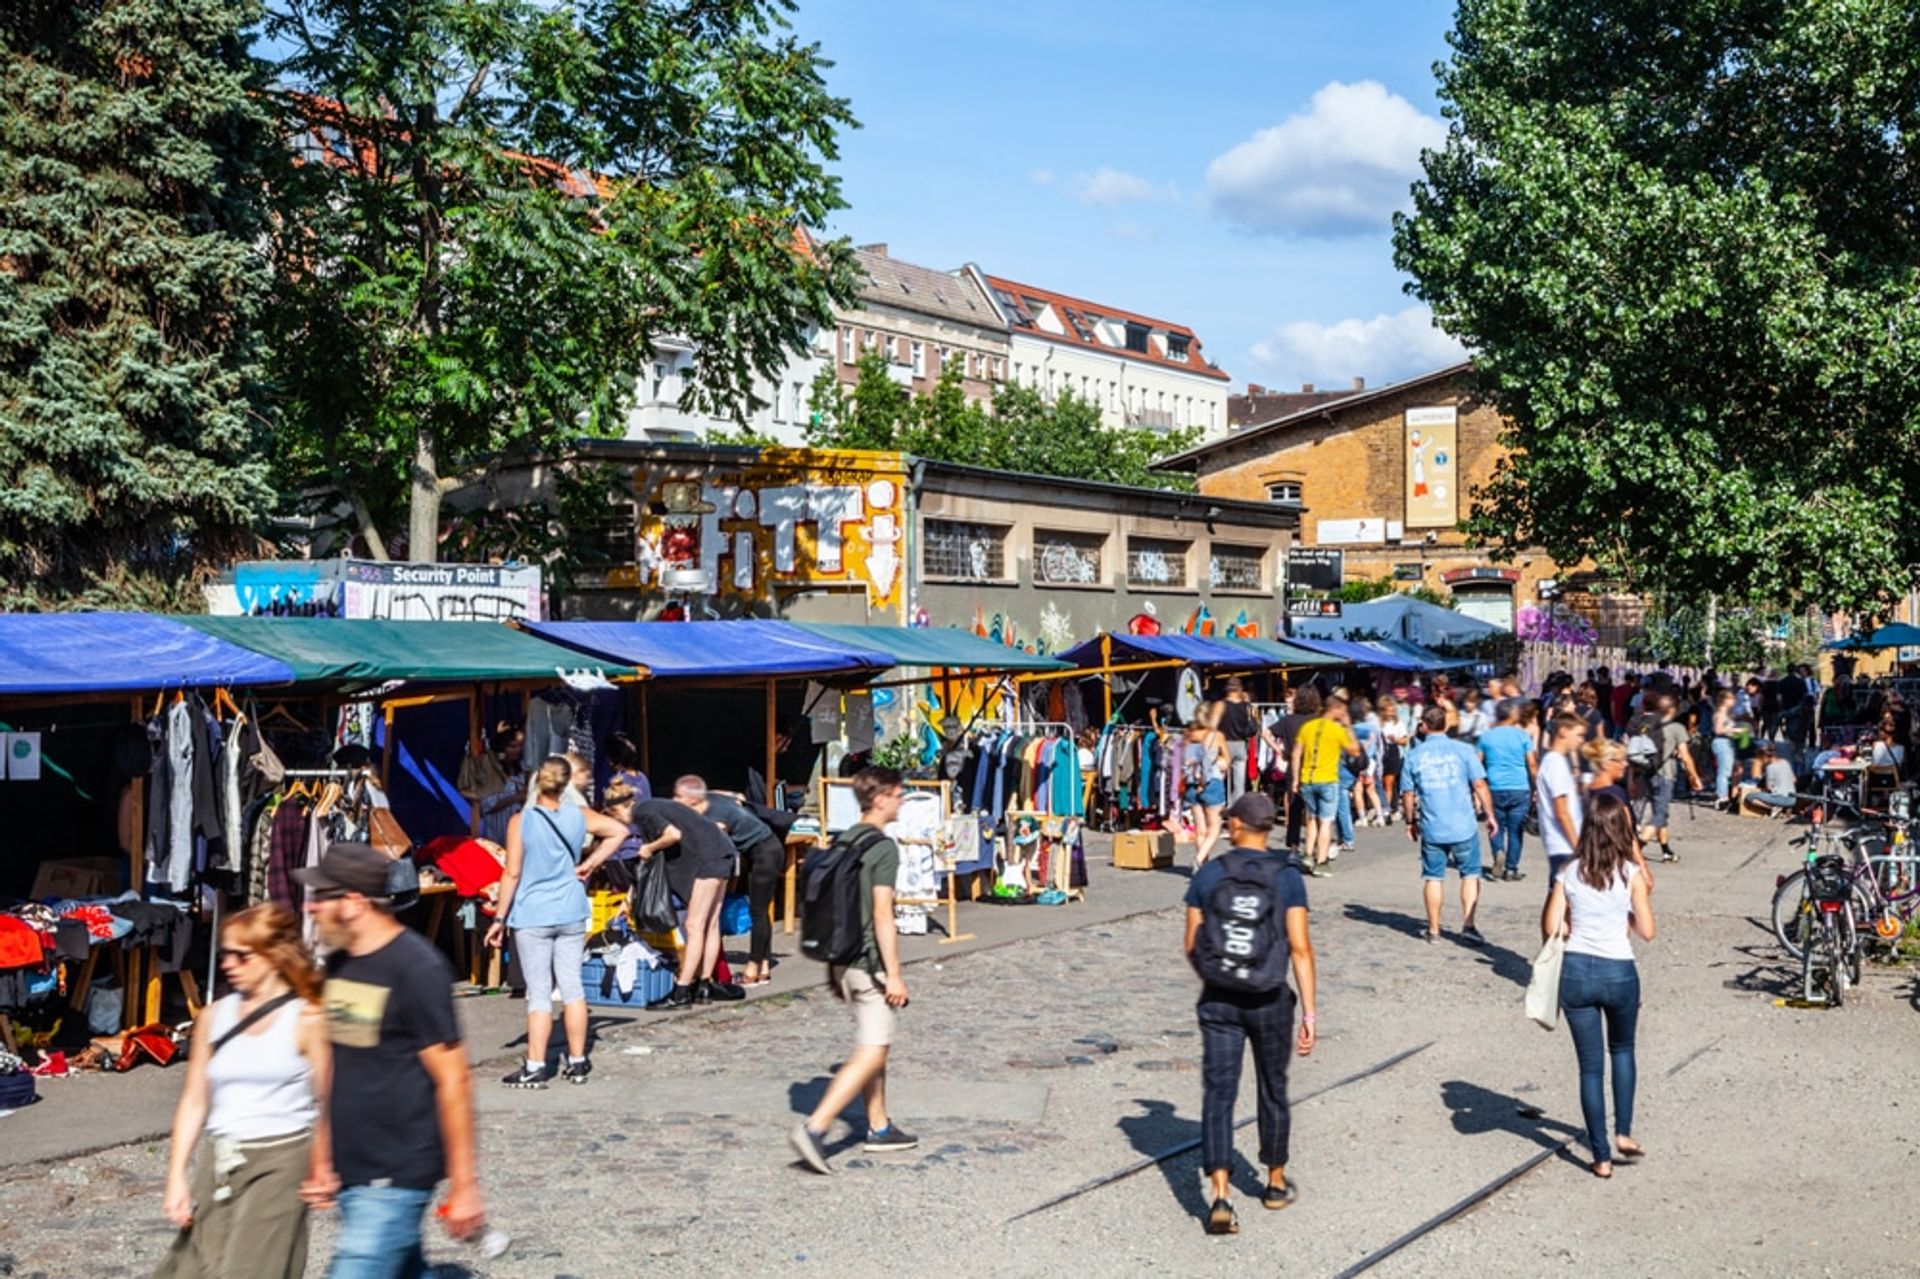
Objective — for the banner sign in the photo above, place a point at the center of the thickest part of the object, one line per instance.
(1316, 568)
(1433, 488)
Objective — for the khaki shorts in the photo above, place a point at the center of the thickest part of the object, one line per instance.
(873, 1018)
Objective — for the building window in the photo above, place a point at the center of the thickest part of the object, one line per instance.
(964, 552)
(1177, 347)
(1137, 337)
(1156, 562)
(612, 540)
(1063, 558)
(1287, 492)
(919, 353)
(849, 353)
(1235, 568)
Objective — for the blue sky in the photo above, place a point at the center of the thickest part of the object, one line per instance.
(1226, 164)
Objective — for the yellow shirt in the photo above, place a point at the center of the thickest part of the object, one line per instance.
(1322, 742)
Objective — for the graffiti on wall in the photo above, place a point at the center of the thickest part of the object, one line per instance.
(787, 519)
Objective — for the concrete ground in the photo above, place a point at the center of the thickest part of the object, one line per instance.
(1059, 1048)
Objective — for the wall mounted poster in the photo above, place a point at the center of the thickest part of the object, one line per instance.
(1433, 467)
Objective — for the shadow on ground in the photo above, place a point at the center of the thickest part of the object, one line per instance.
(1508, 965)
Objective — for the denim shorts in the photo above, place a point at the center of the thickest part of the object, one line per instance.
(1322, 799)
(1212, 795)
(1463, 855)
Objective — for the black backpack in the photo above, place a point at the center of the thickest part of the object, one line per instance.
(1242, 943)
(830, 928)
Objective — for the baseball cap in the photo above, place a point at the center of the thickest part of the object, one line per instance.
(1253, 809)
(349, 868)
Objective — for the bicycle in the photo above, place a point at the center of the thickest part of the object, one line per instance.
(1830, 960)
(1886, 888)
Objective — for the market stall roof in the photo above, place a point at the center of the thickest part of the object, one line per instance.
(1192, 650)
(46, 653)
(747, 646)
(1282, 653)
(330, 650)
(1397, 616)
(1365, 653)
(929, 647)
(1892, 635)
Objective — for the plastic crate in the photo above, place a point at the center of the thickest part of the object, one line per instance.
(649, 984)
(605, 906)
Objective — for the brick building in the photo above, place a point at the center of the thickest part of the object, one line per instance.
(1385, 476)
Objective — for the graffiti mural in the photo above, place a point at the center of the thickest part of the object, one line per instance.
(791, 518)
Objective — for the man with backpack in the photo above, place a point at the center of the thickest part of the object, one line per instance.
(1658, 744)
(1246, 922)
(847, 923)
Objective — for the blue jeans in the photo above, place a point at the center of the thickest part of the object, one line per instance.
(1601, 1000)
(1343, 816)
(1723, 757)
(1510, 825)
(1463, 855)
(1321, 799)
(380, 1233)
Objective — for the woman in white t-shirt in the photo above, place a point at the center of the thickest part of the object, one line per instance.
(1598, 899)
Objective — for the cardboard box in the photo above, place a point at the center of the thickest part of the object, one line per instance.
(1143, 849)
(77, 877)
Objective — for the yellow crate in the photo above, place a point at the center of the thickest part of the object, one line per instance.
(605, 906)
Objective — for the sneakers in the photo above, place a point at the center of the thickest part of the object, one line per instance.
(807, 1146)
(1514, 876)
(678, 997)
(1668, 855)
(528, 1077)
(723, 992)
(576, 1072)
(892, 1137)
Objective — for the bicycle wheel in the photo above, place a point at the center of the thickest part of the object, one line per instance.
(1836, 961)
(1793, 913)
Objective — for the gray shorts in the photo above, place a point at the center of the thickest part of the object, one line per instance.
(873, 1017)
(1660, 788)
(551, 957)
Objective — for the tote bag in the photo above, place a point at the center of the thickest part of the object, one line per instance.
(1543, 992)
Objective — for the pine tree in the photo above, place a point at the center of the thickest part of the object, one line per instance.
(130, 453)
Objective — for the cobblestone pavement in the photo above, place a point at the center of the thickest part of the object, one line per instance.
(1032, 1068)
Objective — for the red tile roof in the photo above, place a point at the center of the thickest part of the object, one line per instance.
(1195, 363)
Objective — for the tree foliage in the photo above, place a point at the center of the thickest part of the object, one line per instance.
(128, 290)
(491, 210)
(1020, 431)
(1681, 241)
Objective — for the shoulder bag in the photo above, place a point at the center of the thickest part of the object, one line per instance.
(1543, 991)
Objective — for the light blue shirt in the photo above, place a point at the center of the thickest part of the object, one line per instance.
(1440, 772)
(550, 894)
(1504, 752)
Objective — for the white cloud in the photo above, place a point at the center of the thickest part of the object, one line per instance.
(1338, 168)
(1106, 186)
(1131, 232)
(1385, 348)
(1041, 177)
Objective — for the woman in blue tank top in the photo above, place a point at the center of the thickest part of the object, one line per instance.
(544, 902)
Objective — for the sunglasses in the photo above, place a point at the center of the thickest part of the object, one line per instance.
(234, 953)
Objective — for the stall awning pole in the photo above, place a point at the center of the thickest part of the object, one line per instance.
(773, 744)
(474, 740)
(1106, 676)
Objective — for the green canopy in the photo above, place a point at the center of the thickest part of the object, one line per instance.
(928, 646)
(1280, 653)
(339, 651)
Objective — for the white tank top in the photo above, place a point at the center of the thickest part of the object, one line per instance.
(259, 1085)
(1598, 917)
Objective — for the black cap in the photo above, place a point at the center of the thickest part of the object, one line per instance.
(1253, 810)
(349, 868)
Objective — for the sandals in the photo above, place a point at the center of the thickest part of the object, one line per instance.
(1220, 1219)
(1278, 1197)
(1604, 1176)
(1628, 1154)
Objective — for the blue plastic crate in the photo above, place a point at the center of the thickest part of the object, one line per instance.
(649, 984)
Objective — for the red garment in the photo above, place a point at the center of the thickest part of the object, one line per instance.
(474, 865)
(20, 946)
(98, 919)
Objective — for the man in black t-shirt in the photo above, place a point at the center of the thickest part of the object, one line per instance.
(401, 1107)
(1306, 708)
(1240, 725)
(700, 861)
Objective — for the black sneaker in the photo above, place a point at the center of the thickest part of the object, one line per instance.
(724, 992)
(528, 1077)
(678, 997)
(807, 1146)
(576, 1072)
(892, 1137)
(1514, 876)
(1473, 936)
(1668, 855)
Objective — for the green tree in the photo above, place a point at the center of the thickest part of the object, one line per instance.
(129, 440)
(490, 210)
(1680, 241)
(1023, 431)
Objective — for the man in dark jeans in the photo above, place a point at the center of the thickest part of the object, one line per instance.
(402, 1097)
(1306, 707)
(1231, 1020)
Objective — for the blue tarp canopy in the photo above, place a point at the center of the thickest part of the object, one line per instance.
(1392, 655)
(929, 646)
(712, 650)
(1282, 653)
(47, 653)
(1892, 635)
(1189, 650)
